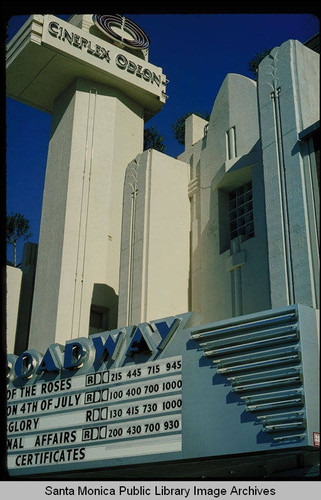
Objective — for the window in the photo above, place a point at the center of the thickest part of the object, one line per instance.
(241, 211)
(230, 138)
(99, 319)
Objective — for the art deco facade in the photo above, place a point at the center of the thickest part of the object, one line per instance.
(223, 240)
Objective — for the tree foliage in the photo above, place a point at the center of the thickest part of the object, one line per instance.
(178, 126)
(18, 227)
(255, 61)
(153, 139)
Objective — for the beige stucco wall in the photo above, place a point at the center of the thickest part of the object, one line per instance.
(227, 278)
(96, 131)
(154, 267)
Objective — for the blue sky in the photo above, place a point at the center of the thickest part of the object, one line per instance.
(196, 51)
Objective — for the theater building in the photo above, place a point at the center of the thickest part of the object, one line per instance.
(167, 324)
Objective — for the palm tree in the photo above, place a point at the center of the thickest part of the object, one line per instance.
(255, 61)
(153, 139)
(17, 227)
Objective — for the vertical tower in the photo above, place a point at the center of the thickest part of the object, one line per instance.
(154, 270)
(289, 107)
(92, 74)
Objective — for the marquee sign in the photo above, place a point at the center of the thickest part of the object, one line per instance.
(84, 354)
(72, 417)
(68, 407)
(167, 390)
(122, 30)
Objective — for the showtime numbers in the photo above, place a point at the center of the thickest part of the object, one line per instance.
(172, 385)
(133, 391)
(153, 369)
(151, 427)
(172, 404)
(168, 404)
(171, 425)
(115, 413)
(134, 373)
(137, 428)
(129, 402)
(160, 367)
(174, 365)
(150, 407)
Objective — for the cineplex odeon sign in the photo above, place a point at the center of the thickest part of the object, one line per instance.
(58, 31)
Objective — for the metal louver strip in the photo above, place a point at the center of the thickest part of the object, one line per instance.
(238, 326)
(247, 337)
(294, 380)
(255, 344)
(261, 360)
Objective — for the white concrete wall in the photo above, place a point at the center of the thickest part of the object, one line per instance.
(96, 131)
(290, 75)
(173, 253)
(228, 278)
(194, 129)
(154, 268)
(14, 276)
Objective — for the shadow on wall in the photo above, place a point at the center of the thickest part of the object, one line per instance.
(231, 267)
(28, 267)
(103, 309)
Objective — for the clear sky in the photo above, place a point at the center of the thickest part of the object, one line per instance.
(196, 51)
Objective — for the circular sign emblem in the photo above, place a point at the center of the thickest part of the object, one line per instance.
(122, 30)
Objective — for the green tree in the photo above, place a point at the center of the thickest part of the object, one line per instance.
(255, 61)
(178, 126)
(153, 139)
(18, 227)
